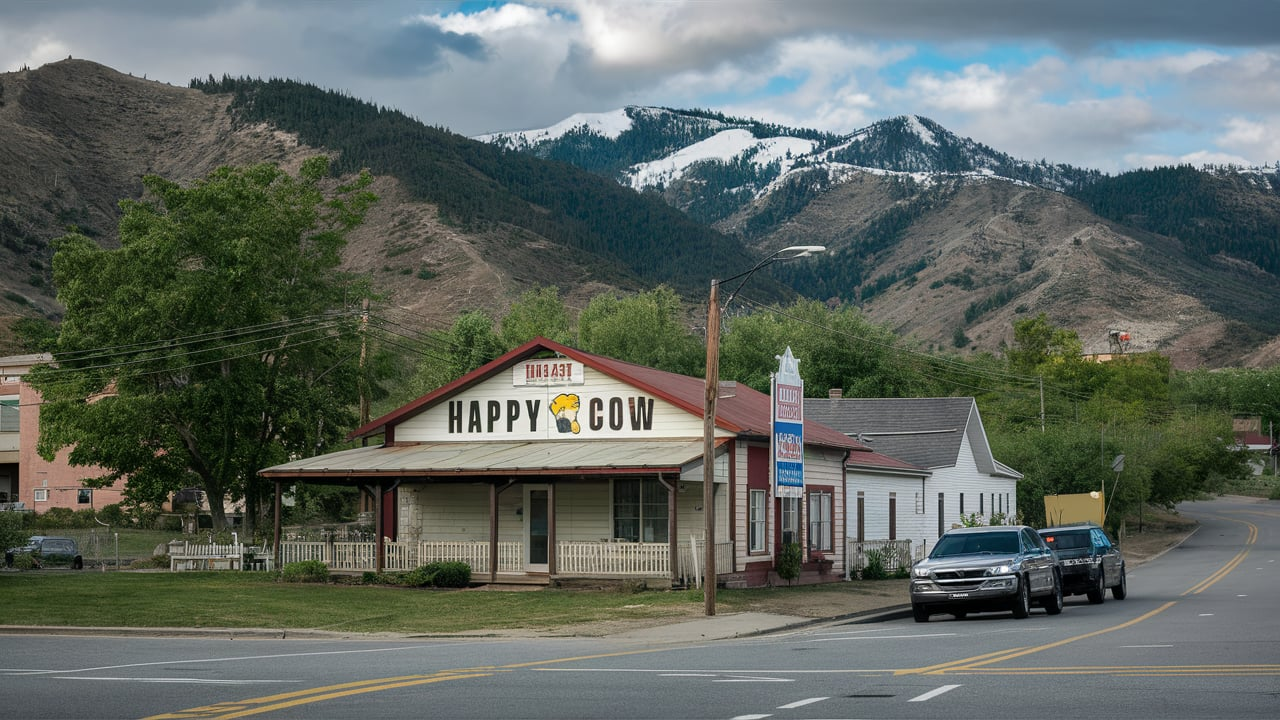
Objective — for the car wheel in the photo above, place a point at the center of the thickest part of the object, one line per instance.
(1022, 604)
(920, 612)
(1053, 605)
(1121, 589)
(77, 564)
(959, 615)
(1099, 591)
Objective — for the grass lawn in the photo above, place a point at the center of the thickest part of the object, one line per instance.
(228, 599)
(242, 599)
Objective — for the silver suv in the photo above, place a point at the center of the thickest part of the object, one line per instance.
(985, 569)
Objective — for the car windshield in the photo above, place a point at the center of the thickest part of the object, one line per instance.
(1002, 543)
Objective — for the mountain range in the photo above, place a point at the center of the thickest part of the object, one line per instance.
(945, 240)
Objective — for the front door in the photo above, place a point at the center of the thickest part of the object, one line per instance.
(536, 528)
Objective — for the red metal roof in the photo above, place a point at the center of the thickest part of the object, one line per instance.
(747, 412)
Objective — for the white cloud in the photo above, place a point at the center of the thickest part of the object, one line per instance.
(977, 88)
(1258, 139)
(1090, 82)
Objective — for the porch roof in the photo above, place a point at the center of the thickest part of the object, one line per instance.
(452, 459)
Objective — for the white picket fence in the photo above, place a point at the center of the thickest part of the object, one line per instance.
(590, 559)
(895, 554)
(184, 555)
(614, 558)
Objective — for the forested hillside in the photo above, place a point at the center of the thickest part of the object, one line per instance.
(1227, 211)
(477, 185)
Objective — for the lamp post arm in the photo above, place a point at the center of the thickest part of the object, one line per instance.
(792, 252)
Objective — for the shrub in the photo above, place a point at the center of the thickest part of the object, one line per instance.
(155, 561)
(788, 567)
(448, 574)
(875, 567)
(306, 571)
(422, 576)
(24, 561)
(113, 515)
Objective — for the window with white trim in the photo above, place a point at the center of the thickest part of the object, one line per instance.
(9, 414)
(41, 494)
(790, 520)
(820, 519)
(756, 523)
(640, 510)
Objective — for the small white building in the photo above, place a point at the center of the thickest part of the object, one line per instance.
(944, 439)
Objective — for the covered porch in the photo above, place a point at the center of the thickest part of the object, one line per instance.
(627, 510)
(617, 560)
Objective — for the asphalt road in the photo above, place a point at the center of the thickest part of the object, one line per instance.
(1197, 637)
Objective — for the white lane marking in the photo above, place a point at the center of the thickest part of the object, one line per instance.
(889, 637)
(759, 678)
(752, 717)
(802, 703)
(933, 693)
(1206, 614)
(241, 658)
(192, 681)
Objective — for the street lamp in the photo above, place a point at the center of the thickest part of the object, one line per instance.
(709, 412)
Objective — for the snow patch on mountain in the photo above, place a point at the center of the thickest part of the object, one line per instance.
(925, 135)
(725, 147)
(608, 125)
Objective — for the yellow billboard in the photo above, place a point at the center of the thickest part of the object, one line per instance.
(1080, 507)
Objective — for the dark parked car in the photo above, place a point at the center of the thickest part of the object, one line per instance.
(1091, 563)
(983, 569)
(48, 552)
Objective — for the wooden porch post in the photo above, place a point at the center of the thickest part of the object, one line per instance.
(493, 532)
(673, 546)
(380, 550)
(551, 529)
(275, 540)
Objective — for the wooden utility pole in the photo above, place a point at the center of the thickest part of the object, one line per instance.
(709, 449)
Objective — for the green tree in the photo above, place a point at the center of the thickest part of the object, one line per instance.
(219, 338)
(537, 312)
(1037, 341)
(837, 349)
(469, 343)
(645, 328)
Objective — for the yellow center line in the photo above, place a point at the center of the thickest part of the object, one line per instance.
(980, 661)
(1017, 653)
(270, 703)
(954, 663)
(1232, 564)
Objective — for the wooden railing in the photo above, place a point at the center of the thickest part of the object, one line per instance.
(894, 554)
(614, 558)
(605, 559)
(692, 558)
(185, 555)
(403, 556)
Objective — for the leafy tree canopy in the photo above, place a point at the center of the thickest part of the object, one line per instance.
(646, 328)
(220, 337)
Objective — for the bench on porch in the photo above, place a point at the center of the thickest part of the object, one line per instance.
(185, 555)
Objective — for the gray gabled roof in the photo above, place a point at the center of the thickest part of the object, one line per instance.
(927, 432)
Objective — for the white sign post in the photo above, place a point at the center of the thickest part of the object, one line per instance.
(788, 427)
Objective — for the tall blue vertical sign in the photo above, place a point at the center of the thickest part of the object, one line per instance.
(787, 394)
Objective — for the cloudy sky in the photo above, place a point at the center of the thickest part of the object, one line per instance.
(1106, 84)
